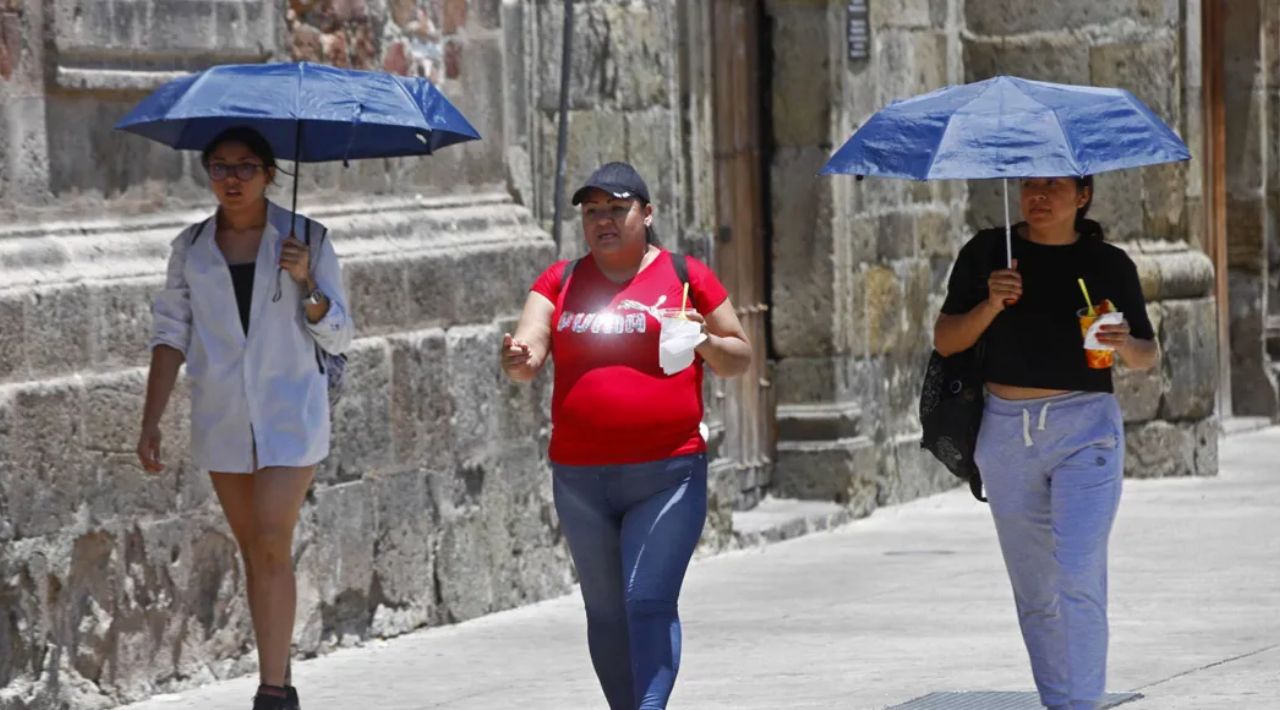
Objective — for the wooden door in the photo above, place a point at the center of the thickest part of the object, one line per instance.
(741, 250)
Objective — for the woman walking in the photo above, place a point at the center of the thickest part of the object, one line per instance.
(252, 341)
(628, 460)
(1051, 445)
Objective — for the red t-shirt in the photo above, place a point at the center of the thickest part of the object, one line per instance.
(611, 403)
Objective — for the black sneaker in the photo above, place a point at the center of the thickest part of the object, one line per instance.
(263, 701)
(292, 702)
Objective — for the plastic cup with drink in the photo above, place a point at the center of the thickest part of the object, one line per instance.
(1097, 355)
(679, 336)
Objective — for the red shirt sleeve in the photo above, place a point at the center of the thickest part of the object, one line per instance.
(548, 284)
(705, 289)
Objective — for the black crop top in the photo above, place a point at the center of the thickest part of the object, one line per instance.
(242, 281)
(1037, 342)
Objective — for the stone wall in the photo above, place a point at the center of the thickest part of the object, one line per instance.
(1252, 87)
(435, 504)
(859, 267)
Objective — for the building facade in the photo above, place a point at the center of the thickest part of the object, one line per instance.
(435, 505)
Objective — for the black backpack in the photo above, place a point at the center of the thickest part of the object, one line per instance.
(951, 405)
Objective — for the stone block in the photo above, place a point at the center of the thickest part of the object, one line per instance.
(803, 256)
(641, 36)
(481, 66)
(609, 41)
(473, 382)
(1179, 274)
(421, 407)
(499, 545)
(1246, 247)
(1149, 69)
(822, 421)
(57, 330)
(121, 324)
(337, 563)
(1164, 191)
(896, 236)
(361, 439)
(884, 304)
(1007, 17)
(1139, 391)
(910, 473)
(912, 62)
(902, 13)
(843, 471)
(404, 552)
(1189, 344)
(1113, 206)
(120, 486)
(1042, 59)
(13, 355)
(1208, 433)
(375, 293)
(487, 13)
(801, 60)
(46, 471)
(1160, 449)
(649, 149)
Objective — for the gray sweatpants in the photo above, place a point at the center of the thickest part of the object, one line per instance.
(1052, 469)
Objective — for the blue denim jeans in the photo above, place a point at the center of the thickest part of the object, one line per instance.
(632, 530)
(1053, 469)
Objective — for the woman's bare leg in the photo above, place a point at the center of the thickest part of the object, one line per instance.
(278, 494)
(264, 508)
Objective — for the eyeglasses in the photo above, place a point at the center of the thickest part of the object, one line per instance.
(617, 213)
(244, 172)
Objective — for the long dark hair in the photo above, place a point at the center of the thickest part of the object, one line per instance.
(1087, 228)
(249, 138)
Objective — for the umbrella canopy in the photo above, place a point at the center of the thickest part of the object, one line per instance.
(308, 112)
(1008, 127)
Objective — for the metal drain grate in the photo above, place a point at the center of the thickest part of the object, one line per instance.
(993, 700)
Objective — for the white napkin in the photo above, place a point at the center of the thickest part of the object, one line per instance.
(1091, 335)
(675, 345)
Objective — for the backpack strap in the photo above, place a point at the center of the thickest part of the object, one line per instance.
(680, 262)
(200, 230)
(564, 281)
(306, 239)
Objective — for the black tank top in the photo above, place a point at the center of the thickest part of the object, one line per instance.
(242, 281)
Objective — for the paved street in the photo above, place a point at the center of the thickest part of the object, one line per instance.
(881, 611)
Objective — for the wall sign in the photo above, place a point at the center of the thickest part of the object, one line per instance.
(859, 30)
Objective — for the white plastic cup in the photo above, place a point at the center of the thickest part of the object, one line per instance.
(677, 341)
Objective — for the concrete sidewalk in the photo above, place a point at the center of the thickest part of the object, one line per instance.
(875, 613)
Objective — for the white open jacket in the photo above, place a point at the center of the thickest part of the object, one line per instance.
(262, 391)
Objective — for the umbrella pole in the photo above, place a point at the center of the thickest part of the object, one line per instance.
(1008, 228)
(297, 175)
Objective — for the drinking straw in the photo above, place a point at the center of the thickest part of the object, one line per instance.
(684, 300)
(1088, 301)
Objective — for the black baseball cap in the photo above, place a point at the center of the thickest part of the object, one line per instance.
(618, 179)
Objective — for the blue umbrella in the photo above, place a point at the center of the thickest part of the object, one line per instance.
(1008, 127)
(308, 112)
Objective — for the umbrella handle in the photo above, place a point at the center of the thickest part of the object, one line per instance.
(1008, 238)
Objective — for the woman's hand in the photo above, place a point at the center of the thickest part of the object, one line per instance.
(149, 449)
(295, 258)
(696, 317)
(515, 354)
(1116, 336)
(1004, 287)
